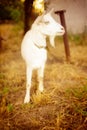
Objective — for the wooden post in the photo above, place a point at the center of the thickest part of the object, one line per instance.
(0, 42)
(65, 37)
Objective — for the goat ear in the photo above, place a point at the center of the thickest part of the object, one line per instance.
(51, 11)
(44, 13)
(38, 19)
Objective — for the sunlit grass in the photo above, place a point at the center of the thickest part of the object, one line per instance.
(63, 103)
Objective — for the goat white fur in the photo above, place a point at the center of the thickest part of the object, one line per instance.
(33, 48)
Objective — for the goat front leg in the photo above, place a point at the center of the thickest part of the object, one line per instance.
(40, 78)
(28, 84)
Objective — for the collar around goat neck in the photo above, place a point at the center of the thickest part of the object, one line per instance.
(40, 47)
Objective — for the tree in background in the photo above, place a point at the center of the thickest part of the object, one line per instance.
(16, 10)
(11, 10)
(27, 14)
(23, 10)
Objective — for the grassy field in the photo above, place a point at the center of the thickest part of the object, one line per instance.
(63, 104)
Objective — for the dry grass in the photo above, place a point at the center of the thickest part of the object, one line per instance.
(62, 106)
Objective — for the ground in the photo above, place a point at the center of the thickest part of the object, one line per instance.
(63, 104)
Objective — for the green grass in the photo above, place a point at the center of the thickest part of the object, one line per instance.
(78, 39)
(5, 90)
(9, 107)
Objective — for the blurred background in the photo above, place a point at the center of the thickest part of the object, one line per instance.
(63, 104)
(76, 11)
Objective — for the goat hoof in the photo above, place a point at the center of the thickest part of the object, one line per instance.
(39, 92)
(26, 100)
(41, 89)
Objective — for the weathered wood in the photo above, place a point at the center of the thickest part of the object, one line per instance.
(1, 41)
(65, 37)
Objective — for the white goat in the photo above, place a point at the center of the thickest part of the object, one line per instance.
(33, 48)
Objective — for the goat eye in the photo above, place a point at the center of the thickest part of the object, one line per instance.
(46, 22)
